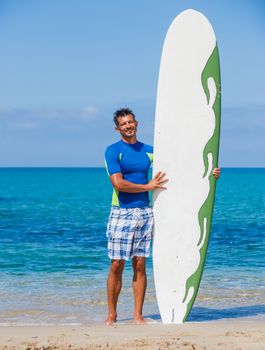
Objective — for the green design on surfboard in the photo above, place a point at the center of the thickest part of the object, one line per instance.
(212, 69)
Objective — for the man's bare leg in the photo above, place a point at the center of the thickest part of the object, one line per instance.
(114, 284)
(139, 287)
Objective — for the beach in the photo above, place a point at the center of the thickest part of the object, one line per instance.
(234, 335)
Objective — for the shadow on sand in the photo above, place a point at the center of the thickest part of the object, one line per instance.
(201, 314)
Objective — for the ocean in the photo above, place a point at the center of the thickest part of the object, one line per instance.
(53, 255)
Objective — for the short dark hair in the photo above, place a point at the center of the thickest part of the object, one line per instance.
(122, 113)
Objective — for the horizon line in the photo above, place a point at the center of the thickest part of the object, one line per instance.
(103, 167)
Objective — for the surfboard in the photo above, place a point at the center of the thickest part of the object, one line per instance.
(186, 144)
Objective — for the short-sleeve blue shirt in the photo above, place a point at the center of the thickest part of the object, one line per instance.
(133, 161)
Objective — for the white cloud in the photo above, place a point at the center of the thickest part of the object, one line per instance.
(24, 125)
(86, 113)
(4, 109)
(251, 117)
(19, 118)
(89, 113)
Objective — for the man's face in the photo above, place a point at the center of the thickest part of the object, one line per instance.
(127, 126)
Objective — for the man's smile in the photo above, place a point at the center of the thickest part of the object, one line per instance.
(129, 131)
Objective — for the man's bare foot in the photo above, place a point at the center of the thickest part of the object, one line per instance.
(110, 320)
(139, 319)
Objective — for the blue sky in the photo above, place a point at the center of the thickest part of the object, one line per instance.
(66, 65)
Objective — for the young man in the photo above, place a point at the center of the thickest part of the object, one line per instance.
(130, 224)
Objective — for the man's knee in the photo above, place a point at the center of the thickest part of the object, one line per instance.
(139, 264)
(117, 266)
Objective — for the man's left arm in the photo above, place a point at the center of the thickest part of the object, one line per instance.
(216, 173)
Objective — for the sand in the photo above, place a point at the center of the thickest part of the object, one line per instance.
(232, 335)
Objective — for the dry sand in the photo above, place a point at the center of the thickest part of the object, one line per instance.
(232, 335)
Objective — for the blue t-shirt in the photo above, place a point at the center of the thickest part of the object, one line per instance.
(133, 161)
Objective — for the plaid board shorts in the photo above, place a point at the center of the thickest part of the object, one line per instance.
(129, 232)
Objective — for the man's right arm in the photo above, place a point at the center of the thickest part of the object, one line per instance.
(126, 186)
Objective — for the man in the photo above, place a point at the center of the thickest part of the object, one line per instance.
(130, 224)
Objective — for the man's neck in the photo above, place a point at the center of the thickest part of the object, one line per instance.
(130, 140)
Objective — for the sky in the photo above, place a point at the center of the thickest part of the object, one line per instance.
(67, 65)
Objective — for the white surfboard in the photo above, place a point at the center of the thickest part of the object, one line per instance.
(186, 142)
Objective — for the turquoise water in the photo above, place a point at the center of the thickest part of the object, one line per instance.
(53, 257)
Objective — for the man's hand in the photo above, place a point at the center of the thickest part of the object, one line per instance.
(216, 173)
(157, 181)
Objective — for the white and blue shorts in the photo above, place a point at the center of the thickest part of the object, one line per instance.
(129, 232)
